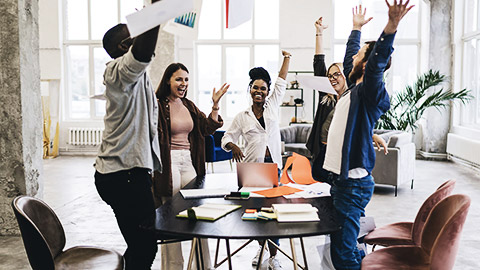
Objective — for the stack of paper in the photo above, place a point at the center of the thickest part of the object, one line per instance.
(295, 212)
(203, 193)
(209, 211)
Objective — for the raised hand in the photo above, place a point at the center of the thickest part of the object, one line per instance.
(319, 26)
(217, 95)
(359, 17)
(286, 54)
(395, 14)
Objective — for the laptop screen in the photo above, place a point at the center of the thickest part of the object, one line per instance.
(257, 174)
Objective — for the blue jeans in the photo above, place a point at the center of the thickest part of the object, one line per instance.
(350, 197)
(272, 248)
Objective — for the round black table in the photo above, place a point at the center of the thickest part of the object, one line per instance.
(232, 226)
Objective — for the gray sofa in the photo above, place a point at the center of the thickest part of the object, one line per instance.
(393, 169)
(295, 136)
(398, 166)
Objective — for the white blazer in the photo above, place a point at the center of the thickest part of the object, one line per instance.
(257, 138)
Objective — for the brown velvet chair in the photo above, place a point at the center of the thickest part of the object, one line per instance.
(409, 233)
(44, 239)
(439, 240)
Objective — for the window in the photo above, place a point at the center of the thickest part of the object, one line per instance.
(470, 113)
(226, 55)
(407, 40)
(86, 21)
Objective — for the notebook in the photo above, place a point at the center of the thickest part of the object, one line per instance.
(208, 211)
(257, 175)
(295, 212)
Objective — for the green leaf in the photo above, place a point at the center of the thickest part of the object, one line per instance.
(409, 105)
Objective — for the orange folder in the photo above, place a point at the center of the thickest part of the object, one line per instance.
(301, 171)
(277, 191)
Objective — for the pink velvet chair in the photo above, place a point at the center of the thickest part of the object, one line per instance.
(409, 233)
(439, 240)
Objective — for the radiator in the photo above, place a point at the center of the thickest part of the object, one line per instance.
(464, 148)
(85, 136)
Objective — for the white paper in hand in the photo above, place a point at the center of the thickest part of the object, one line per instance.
(156, 14)
(318, 83)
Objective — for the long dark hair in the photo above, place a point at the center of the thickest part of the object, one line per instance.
(163, 89)
(259, 73)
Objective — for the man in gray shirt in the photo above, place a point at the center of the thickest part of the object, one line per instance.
(130, 149)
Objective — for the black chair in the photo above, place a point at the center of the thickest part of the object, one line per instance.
(44, 240)
(214, 151)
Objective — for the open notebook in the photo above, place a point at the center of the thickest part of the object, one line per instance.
(208, 211)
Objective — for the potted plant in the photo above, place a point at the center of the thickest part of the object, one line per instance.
(408, 106)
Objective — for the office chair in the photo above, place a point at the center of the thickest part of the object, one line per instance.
(44, 240)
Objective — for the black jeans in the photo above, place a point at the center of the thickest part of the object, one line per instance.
(129, 194)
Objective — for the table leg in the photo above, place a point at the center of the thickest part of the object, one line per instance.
(200, 254)
(294, 255)
(192, 252)
(304, 255)
(217, 264)
(216, 252)
(228, 254)
(260, 259)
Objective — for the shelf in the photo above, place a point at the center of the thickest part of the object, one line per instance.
(299, 105)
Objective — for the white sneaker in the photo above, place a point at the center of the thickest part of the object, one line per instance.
(273, 264)
(257, 257)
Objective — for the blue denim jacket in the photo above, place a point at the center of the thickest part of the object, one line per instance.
(368, 101)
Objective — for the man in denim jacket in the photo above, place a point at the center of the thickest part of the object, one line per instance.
(350, 156)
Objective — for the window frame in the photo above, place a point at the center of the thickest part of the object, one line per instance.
(460, 38)
(91, 44)
(398, 42)
(225, 43)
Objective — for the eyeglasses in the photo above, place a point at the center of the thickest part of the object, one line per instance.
(334, 75)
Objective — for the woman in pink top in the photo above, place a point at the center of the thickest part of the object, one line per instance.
(181, 130)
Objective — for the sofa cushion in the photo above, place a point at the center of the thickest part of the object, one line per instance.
(297, 133)
(303, 131)
(400, 139)
(394, 138)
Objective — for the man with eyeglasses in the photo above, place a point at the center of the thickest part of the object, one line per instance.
(350, 155)
(130, 149)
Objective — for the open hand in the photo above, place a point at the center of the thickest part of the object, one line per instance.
(397, 11)
(319, 26)
(379, 143)
(217, 95)
(359, 17)
(237, 153)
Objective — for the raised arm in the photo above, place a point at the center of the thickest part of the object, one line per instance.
(353, 44)
(144, 45)
(319, 68)
(286, 62)
(380, 55)
(319, 27)
(216, 96)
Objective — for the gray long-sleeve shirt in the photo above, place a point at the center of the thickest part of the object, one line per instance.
(130, 138)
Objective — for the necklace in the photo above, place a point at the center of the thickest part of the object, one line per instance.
(258, 114)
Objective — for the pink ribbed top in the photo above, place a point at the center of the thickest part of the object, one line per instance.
(181, 124)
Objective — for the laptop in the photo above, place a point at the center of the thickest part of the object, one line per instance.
(257, 174)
